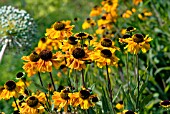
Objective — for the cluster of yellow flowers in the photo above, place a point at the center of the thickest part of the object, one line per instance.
(60, 47)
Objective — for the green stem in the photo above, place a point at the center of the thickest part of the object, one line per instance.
(83, 83)
(76, 81)
(26, 87)
(109, 84)
(16, 103)
(43, 86)
(134, 63)
(127, 72)
(138, 80)
(52, 81)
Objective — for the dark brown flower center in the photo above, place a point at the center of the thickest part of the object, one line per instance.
(103, 27)
(60, 88)
(78, 53)
(64, 95)
(106, 42)
(26, 92)
(129, 112)
(21, 97)
(95, 7)
(106, 53)
(138, 38)
(110, 2)
(129, 29)
(20, 75)
(46, 55)
(88, 20)
(43, 40)
(165, 103)
(59, 26)
(81, 34)
(10, 85)
(63, 66)
(16, 112)
(75, 19)
(72, 40)
(121, 102)
(32, 101)
(90, 37)
(103, 17)
(126, 36)
(34, 57)
(95, 99)
(84, 94)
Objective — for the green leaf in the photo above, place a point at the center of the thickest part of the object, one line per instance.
(146, 100)
(129, 102)
(160, 69)
(91, 111)
(104, 102)
(107, 105)
(117, 93)
(143, 87)
(39, 87)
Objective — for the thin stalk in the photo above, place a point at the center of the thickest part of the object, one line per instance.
(138, 80)
(127, 72)
(26, 87)
(109, 84)
(134, 63)
(3, 49)
(82, 72)
(69, 77)
(43, 86)
(16, 103)
(76, 81)
(52, 81)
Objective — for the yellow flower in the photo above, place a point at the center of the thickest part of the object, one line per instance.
(81, 35)
(144, 15)
(70, 44)
(101, 29)
(130, 29)
(123, 32)
(110, 5)
(30, 66)
(48, 59)
(136, 2)
(59, 30)
(137, 42)
(76, 59)
(84, 99)
(127, 14)
(106, 43)
(97, 10)
(88, 23)
(49, 44)
(120, 105)
(104, 57)
(129, 112)
(62, 99)
(11, 89)
(165, 103)
(33, 105)
(19, 101)
(103, 21)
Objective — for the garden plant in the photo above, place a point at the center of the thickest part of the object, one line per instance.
(102, 57)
